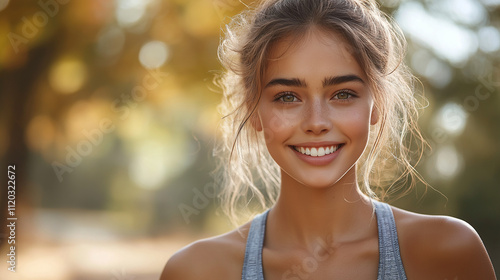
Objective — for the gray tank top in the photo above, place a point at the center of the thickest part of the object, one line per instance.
(390, 266)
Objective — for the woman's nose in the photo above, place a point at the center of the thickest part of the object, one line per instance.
(316, 118)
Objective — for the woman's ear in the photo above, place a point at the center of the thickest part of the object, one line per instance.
(374, 116)
(255, 121)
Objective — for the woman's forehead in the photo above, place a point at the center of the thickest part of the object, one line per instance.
(295, 41)
(298, 53)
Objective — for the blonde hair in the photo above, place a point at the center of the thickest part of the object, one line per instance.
(246, 170)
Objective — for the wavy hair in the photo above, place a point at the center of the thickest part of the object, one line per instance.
(246, 171)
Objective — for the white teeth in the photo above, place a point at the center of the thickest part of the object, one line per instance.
(317, 152)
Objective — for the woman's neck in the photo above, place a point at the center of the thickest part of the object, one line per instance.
(340, 213)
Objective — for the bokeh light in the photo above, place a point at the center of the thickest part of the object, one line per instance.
(153, 54)
(448, 162)
(130, 12)
(452, 118)
(68, 75)
(489, 39)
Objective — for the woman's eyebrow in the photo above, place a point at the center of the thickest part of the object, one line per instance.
(294, 82)
(331, 81)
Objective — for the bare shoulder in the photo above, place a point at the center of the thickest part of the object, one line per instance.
(219, 257)
(441, 247)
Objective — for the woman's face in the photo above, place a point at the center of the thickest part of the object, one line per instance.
(316, 108)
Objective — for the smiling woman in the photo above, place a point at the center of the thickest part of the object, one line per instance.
(323, 90)
(319, 106)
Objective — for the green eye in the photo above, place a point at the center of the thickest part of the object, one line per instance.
(288, 98)
(343, 95)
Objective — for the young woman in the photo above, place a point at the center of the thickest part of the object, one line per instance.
(319, 87)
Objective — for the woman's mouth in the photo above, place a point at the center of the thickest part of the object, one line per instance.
(317, 151)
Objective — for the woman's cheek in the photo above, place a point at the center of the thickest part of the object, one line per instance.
(358, 124)
(278, 119)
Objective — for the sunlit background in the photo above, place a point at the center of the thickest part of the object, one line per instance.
(108, 111)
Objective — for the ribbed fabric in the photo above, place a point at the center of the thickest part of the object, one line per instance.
(252, 266)
(390, 264)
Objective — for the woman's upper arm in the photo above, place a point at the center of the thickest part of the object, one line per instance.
(192, 262)
(440, 247)
(467, 252)
(455, 251)
(177, 267)
(209, 259)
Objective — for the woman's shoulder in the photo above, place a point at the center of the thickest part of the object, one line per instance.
(219, 257)
(446, 247)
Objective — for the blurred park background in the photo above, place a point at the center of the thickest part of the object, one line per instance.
(108, 111)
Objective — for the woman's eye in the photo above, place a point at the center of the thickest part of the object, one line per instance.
(343, 95)
(287, 98)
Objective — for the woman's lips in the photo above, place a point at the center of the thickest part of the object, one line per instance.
(318, 155)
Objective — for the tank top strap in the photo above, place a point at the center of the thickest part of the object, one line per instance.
(252, 266)
(390, 263)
